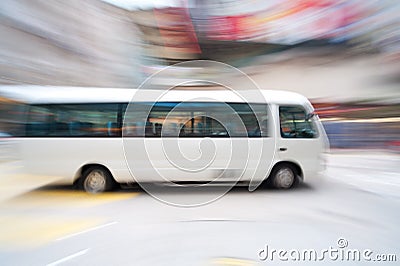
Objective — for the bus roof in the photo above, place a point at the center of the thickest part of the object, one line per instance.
(36, 94)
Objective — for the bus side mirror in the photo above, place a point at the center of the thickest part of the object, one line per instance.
(309, 116)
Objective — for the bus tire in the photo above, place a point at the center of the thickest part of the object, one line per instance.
(283, 176)
(96, 180)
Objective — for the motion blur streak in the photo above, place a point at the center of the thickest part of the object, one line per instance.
(344, 55)
(340, 54)
(87, 43)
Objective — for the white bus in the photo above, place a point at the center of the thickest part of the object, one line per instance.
(87, 136)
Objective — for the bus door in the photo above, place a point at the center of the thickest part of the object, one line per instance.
(298, 139)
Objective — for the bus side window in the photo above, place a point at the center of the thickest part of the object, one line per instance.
(38, 122)
(294, 123)
(112, 128)
(198, 119)
(37, 129)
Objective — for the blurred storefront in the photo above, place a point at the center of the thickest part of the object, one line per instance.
(361, 125)
(78, 43)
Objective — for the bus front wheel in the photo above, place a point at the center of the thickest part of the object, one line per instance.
(283, 176)
(97, 179)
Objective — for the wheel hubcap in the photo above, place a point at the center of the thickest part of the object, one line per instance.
(284, 178)
(95, 182)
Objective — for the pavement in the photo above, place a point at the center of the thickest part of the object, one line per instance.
(354, 202)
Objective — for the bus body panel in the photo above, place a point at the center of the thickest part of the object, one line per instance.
(64, 157)
(232, 159)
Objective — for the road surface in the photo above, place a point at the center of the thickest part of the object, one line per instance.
(349, 215)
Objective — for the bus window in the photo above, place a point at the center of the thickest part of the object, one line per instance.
(196, 119)
(294, 123)
(64, 120)
(11, 117)
(38, 121)
(254, 117)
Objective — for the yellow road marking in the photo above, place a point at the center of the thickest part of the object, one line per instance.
(64, 198)
(27, 222)
(12, 185)
(232, 262)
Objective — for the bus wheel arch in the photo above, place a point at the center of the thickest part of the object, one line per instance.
(95, 178)
(285, 175)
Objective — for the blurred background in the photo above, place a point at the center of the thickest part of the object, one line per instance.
(344, 55)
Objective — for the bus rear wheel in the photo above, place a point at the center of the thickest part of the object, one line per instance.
(283, 176)
(96, 180)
